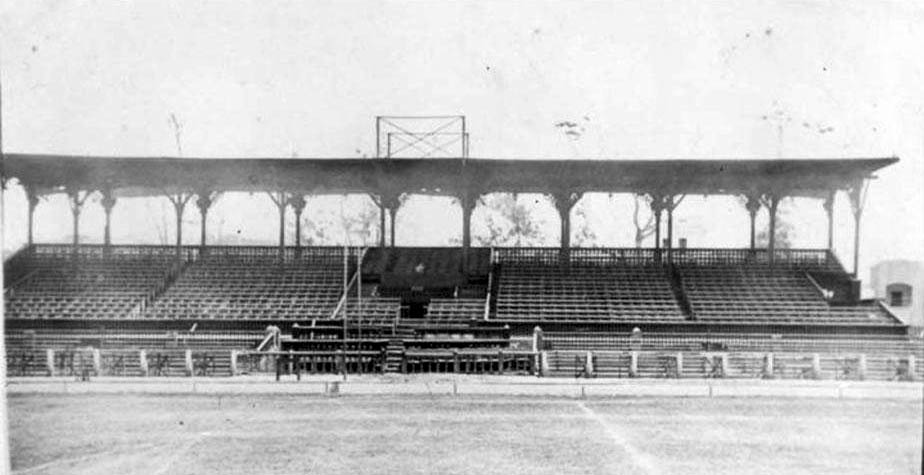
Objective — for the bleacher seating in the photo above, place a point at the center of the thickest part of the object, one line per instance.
(458, 309)
(586, 292)
(253, 288)
(759, 293)
(92, 287)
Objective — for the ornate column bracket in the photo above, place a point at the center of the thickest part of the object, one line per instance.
(828, 205)
(298, 203)
(391, 202)
(77, 199)
(204, 201)
(281, 199)
(108, 202)
(564, 201)
(179, 201)
(772, 202)
(752, 205)
(467, 200)
(33, 198)
(857, 194)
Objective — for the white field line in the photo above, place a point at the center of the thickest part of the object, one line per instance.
(639, 459)
(84, 458)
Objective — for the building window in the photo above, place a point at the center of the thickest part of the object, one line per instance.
(899, 295)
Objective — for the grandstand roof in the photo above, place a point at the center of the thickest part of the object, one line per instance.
(150, 176)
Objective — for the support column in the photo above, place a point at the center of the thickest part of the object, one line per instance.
(753, 206)
(771, 201)
(108, 202)
(391, 203)
(828, 205)
(468, 201)
(657, 207)
(857, 195)
(281, 200)
(564, 201)
(77, 199)
(671, 202)
(33, 199)
(381, 226)
(204, 201)
(179, 201)
(298, 206)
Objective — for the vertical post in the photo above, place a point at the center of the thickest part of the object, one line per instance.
(753, 206)
(188, 360)
(50, 362)
(564, 201)
(391, 213)
(143, 362)
(816, 366)
(857, 194)
(670, 227)
(723, 358)
(861, 367)
(381, 226)
(282, 225)
(359, 298)
(378, 138)
(76, 205)
(633, 364)
(108, 203)
(468, 206)
(97, 362)
(773, 202)
(828, 205)
(234, 355)
(179, 204)
(543, 363)
(203, 202)
(589, 365)
(768, 366)
(679, 364)
(33, 199)
(298, 206)
(912, 367)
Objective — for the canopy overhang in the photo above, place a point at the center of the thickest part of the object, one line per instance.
(154, 176)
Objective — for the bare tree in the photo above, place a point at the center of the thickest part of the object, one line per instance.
(509, 222)
(642, 231)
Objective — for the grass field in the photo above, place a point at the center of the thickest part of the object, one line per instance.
(189, 434)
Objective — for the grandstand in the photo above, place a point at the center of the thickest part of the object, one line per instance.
(90, 309)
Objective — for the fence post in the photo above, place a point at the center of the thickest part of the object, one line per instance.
(50, 362)
(589, 365)
(97, 362)
(633, 364)
(768, 366)
(143, 362)
(912, 368)
(679, 358)
(188, 359)
(500, 362)
(723, 358)
(543, 363)
(816, 366)
(455, 361)
(234, 354)
(861, 370)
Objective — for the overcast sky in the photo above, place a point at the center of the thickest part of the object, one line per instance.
(643, 79)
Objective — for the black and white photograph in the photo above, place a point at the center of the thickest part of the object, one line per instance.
(462, 237)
